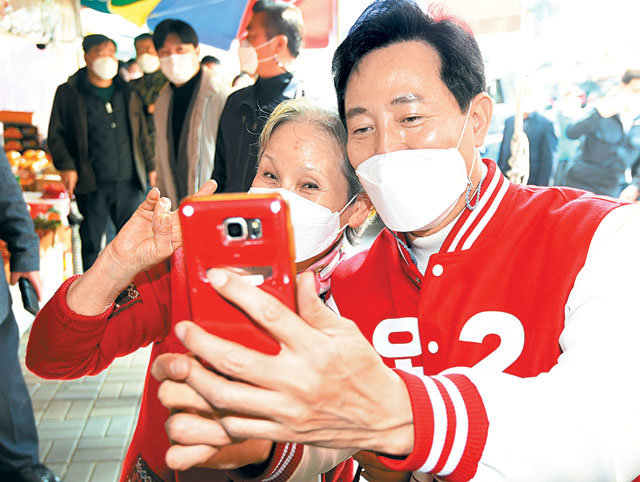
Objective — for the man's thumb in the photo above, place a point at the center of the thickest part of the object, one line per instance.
(312, 309)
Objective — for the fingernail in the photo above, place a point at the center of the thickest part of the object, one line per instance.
(217, 277)
(180, 330)
(179, 366)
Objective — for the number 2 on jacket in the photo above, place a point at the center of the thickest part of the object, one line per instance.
(504, 325)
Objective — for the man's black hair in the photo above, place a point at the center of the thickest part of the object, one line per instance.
(630, 75)
(386, 22)
(142, 36)
(210, 59)
(94, 40)
(282, 19)
(183, 30)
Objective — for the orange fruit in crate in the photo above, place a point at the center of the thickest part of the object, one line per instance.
(9, 145)
(14, 158)
(13, 155)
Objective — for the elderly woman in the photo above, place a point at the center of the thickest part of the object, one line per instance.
(136, 290)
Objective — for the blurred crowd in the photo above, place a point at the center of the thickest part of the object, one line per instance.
(584, 136)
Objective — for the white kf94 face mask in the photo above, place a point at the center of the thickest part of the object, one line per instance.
(105, 67)
(179, 68)
(315, 228)
(415, 189)
(248, 56)
(148, 63)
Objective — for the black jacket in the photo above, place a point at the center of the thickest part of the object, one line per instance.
(68, 136)
(16, 228)
(241, 123)
(605, 153)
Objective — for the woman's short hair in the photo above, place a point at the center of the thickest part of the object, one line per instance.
(305, 110)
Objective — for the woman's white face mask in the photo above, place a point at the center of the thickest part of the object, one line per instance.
(179, 68)
(315, 227)
(415, 189)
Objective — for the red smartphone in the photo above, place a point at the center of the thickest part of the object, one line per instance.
(247, 233)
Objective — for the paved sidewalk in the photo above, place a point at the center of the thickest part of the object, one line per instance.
(85, 425)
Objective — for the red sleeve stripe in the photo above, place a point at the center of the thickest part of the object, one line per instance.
(421, 407)
(451, 427)
(290, 451)
(478, 426)
(440, 424)
(462, 428)
(448, 412)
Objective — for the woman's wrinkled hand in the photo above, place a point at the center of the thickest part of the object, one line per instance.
(151, 235)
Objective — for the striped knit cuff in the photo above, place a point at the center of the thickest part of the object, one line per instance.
(422, 426)
(283, 463)
(477, 433)
(450, 427)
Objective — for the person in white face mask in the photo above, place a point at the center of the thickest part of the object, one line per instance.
(495, 325)
(152, 81)
(302, 157)
(187, 112)
(99, 140)
(272, 43)
(301, 151)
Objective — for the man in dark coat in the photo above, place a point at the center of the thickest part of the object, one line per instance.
(273, 42)
(99, 140)
(542, 147)
(19, 459)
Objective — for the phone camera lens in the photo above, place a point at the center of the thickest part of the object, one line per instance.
(235, 229)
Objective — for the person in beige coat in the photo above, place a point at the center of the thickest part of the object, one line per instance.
(187, 113)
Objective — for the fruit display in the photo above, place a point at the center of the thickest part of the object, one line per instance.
(28, 165)
(20, 137)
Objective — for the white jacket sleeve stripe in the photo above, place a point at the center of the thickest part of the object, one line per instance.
(440, 426)
(462, 427)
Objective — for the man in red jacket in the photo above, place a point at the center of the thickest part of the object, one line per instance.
(495, 333)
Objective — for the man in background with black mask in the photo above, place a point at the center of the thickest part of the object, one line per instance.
(187, 112)
(274, 40)
(99, 140)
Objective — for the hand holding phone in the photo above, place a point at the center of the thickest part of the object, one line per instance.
(250, 234)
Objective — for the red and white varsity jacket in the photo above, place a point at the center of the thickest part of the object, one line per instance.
(518, 344)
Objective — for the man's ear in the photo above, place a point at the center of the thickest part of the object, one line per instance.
(198, 51)
(86, 58)
(282, 44)
(362, 208)
(481, 115)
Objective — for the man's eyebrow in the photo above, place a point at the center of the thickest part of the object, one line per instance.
(407, 99)
(355, 111)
